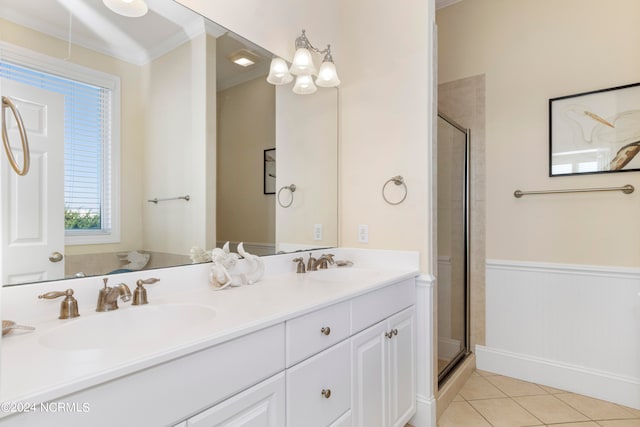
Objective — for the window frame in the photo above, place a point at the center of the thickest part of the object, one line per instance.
(47, 64)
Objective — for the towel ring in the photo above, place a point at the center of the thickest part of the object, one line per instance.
(291, 188)
(397, 180)
(7, 103)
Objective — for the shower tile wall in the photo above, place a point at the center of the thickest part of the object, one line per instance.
(464, 101)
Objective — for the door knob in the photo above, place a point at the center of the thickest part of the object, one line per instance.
(56, 257)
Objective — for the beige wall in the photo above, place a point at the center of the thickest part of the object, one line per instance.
(178, 140)
(530, 51)
(246, 127)
(307, 157)
(132, 131)
(386, 123)
(386, 96)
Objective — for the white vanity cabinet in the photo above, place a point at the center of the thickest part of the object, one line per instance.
(366, 380)
(348, 364)
(383, 372)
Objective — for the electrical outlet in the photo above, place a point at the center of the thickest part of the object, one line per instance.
(317, 231)
(363, 233)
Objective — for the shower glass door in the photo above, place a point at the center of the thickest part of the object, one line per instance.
(453, 245)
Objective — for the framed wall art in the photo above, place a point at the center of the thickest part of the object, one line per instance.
(595, 132)
(269, 180)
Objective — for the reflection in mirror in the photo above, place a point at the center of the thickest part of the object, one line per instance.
(121, 111)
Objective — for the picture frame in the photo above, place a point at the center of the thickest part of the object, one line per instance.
(595, 132)
(269, 178)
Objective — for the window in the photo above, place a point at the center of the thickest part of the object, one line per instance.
(90, 149)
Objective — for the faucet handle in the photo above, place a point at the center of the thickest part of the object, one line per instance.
(69, 305)
(300, 262)
(140, 293)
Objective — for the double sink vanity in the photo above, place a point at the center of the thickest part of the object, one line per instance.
(334, 347)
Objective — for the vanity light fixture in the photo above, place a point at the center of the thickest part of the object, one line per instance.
(128, 8)
(303, 68)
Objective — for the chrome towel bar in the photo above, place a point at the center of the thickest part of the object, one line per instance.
(156, 200)
(627, 189)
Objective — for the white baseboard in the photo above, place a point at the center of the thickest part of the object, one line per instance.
(425, 413)
(600, 385)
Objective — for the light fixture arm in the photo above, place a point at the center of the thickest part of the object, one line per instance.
(303, 41)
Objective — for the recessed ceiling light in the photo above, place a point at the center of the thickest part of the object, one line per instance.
(244, 58)
(245, 62)
(128, 8)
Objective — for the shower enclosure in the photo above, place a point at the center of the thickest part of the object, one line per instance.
(453, 245)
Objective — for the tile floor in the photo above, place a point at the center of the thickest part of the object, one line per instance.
(493, 400)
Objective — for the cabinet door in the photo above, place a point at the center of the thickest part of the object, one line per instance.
(368, 382)
(402, 367)
(263, 405)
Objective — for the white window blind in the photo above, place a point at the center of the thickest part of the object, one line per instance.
(87, 147)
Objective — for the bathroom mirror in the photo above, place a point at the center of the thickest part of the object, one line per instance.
(188, 130)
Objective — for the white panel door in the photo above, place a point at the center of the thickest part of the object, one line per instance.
(402, 367)
(32, 206)
(368, 370)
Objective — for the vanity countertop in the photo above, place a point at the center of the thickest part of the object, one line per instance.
(34, 369)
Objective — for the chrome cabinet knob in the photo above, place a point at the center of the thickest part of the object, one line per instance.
(326, 393)
(326, 330)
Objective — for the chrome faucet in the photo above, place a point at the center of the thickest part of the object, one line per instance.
(108, 297)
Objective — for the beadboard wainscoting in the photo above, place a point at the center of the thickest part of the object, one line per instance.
(572, 327)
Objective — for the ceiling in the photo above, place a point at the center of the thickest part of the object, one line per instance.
(167, 25)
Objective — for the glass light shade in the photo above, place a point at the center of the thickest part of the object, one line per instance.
(279, 72)
(128, 8)
(328, 77)
(304, 85)
(302, 63)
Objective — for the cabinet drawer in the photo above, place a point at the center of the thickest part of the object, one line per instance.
(330, 370)
(375, 306)
(309, 334)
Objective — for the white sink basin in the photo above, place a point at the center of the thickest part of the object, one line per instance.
(341, 274)
(130, 326)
